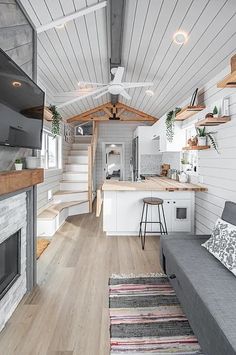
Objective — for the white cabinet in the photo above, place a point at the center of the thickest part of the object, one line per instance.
(129, 210)
(122, 211)
(109, 211)
(178, 211)
(159, 134)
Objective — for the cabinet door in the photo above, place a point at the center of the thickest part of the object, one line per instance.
(109, 211)
(129, 210)
(167, 205)
(181, 216)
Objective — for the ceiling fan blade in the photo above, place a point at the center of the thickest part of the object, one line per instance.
(76, 93)
(118, 75)
(125, 95)
(78, 98)
(100, 95)
(81, 83)
(136, 85)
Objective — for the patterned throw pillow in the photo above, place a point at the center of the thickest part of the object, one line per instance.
(222, 244)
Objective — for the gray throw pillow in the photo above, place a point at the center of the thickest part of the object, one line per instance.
(222, 244)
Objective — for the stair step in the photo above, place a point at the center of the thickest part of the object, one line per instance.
(73, 185)
(77, 159)
(55, 209)
(75, 176)
(83, 139)
(78, 152)
(67, 196)
(80, 146)
(52, 218)
(76, 167)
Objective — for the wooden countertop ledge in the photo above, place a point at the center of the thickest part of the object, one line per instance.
(12, 180)
(151, 184)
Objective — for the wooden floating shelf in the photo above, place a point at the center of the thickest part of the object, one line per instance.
(47, 114)
(213, 121)
(197, 147)
(187, 112)
(228, 82)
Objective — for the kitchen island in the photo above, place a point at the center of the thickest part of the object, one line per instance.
(123, 201)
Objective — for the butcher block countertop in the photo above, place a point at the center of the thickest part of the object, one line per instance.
(151, 184)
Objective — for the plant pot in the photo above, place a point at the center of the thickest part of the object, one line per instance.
(202, 141)
(18, 166)
(32, 162)
(216, 115)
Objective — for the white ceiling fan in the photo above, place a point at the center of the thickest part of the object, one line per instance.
(115, 87)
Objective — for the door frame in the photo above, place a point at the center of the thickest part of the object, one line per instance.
(122, 164)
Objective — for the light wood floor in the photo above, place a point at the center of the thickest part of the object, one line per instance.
(67, 314)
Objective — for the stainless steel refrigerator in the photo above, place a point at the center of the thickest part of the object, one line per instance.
(135, 159)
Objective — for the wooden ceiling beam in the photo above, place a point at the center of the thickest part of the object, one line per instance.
(91, 114)
(137, 112)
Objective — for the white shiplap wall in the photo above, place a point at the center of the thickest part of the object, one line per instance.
(118, 133)
(218, 171)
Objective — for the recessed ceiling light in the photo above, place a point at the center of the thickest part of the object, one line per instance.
(149, 92)
(16, 84)
(61, 25)
(180, 37)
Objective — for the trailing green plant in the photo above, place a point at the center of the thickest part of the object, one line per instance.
(18, 161)
(170, 123)
(215, 111)
(56, 119)
(201, 132)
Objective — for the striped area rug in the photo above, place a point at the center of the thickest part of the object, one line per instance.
(146, 318)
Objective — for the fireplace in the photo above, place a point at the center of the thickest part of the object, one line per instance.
(10, 262)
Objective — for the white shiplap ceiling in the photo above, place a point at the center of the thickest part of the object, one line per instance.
(79, 51)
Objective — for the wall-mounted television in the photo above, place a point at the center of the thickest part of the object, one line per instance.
(21, 107)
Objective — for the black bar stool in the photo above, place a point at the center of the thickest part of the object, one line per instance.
(153, 201)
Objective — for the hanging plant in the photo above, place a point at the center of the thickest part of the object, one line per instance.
(170, 124)
(56, 119)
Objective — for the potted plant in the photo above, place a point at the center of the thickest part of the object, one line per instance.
(215, 112)
(202, 136)
(18, 164)
(56, 119)
(170, 123)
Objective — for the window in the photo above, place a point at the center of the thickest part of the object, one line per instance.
(50, 152)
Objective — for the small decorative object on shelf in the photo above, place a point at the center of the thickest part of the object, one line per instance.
(225, 106)
(170, 123)
(32, 162)
(18, 164)
(193, 98)
(215, 112)
(202, 136)
(56, 119)
(192, 142)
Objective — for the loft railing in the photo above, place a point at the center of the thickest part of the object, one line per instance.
(91, 160)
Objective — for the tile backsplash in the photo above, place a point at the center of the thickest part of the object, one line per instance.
(150, 163)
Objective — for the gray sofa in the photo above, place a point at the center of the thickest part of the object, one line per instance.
(205, 288)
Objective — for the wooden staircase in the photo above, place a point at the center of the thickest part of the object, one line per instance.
(76, 188)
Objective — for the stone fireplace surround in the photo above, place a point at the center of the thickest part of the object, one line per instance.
(18, 212)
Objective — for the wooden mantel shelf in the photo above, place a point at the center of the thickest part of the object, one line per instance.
(187, 112)
(12, 181)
